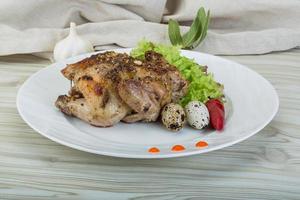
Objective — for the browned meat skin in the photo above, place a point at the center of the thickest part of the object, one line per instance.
(143, 98)
(109, 87)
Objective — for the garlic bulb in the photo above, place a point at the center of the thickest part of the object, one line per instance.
(72, 45)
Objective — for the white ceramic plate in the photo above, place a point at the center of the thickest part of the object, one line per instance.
(252, 103)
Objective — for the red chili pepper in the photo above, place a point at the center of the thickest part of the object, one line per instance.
(216, 113)
(217, 102)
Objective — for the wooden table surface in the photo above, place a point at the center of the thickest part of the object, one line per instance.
(266, 166)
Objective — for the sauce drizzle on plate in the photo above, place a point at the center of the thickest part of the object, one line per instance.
(178, 147)
(153, 150)
(201, 144)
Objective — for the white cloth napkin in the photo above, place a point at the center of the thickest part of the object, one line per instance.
(237, 26)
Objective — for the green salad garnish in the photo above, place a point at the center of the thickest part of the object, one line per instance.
(202, 85)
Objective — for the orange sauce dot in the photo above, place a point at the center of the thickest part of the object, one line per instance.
(178, 148)
(201, 144)
(153, 150)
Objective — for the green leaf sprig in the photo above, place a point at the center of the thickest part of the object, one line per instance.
(194, 36)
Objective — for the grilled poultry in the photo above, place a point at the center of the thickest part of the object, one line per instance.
(110, 87)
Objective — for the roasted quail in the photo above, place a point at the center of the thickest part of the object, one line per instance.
(110, 87)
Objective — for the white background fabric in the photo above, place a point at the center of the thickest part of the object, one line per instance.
(237, 26)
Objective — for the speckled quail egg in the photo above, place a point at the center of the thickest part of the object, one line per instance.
(173, 116)
(197, 114)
